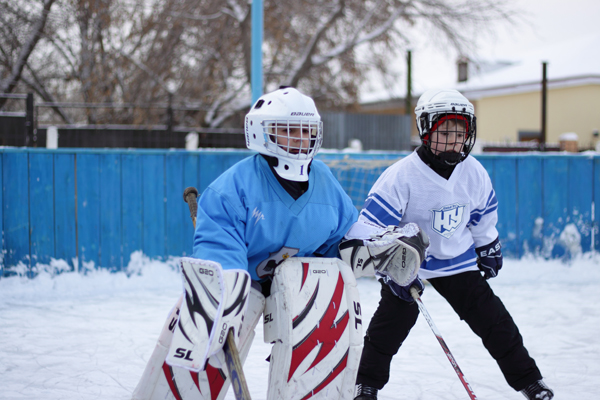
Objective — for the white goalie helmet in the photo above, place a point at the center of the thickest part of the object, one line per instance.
(436, 106)
(285, 124)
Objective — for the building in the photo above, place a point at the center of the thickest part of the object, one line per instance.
(508, 98)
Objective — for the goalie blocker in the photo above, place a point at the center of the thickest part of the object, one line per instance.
(396, 252)
(312, 316)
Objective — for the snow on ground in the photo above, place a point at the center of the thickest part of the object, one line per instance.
(75, 336)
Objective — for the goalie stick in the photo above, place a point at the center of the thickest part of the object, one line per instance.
(415, 294)
(232, 355)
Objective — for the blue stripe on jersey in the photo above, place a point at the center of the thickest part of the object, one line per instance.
(490, 206)
(379, 211)
(466, 259)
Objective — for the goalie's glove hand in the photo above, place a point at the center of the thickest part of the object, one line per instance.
(398, 252)
(404, 291)
(490, 258)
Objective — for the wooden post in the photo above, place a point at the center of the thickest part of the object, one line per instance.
(408, 100)
(29, 138)
(544, 98)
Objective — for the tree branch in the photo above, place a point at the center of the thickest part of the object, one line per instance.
(11, 82)
(350, 44)
(39, 88)
(305, 61)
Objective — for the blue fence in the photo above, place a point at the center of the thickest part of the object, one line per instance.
(99, 206)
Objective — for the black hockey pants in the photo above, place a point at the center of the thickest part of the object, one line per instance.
(474, 301)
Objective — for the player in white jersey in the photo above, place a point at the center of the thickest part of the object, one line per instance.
(449, 195)
(278, 205)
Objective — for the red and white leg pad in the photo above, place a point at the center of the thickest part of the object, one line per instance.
(161, 381)
(313, 318)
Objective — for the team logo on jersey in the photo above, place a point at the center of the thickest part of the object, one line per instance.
(258, 215)
(447, 219)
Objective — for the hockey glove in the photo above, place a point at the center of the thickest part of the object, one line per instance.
(398, 252)
(490, 258)
(404, 291)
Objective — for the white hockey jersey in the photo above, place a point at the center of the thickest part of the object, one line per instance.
(246, 220)
(458, 214)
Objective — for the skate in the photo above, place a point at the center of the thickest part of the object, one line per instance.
(364, 392)
(538, 391)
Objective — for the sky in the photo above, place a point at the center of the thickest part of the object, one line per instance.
(88, 337)
(540, 23)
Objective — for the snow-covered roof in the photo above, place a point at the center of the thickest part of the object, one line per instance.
(569, 63)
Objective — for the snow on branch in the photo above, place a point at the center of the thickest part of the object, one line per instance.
(305, 61)
(217, 113)
(355, 41)
(238, 12)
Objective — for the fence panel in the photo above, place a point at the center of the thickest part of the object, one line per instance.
(110, 211)
(16, 208)
(505, 178)
(65, 216)
(13, 130)
(132, 204)
(528, 207)
(2, 244)
(101, 205)
(596, 209)
(153, 209)
(88, 208)
(41, 212)
(555, 195)
(191, 177)
(178, 240)
(581, 195)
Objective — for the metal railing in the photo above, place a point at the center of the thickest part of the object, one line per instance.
(375, 132)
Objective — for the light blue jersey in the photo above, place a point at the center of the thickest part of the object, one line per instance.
(246, 220)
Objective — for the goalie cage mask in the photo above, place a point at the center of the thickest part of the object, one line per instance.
(285, 124)
(450, 109)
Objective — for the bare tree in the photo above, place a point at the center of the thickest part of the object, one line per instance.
(25, 48)
(195, 54)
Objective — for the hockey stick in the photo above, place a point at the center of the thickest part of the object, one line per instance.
(232, 355)
(414, 292)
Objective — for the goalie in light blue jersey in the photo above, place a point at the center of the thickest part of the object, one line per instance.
(280, 203)
(274, 206)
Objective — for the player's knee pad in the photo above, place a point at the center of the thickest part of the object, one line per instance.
(172, 382)
(313, 317)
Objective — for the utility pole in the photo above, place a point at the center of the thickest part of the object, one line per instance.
(256, 70)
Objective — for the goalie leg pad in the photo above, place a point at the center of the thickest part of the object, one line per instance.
(215, 302)
(153, 370)
(313, 317)
(161, 381)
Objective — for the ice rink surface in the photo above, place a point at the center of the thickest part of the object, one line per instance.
(88, 336)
